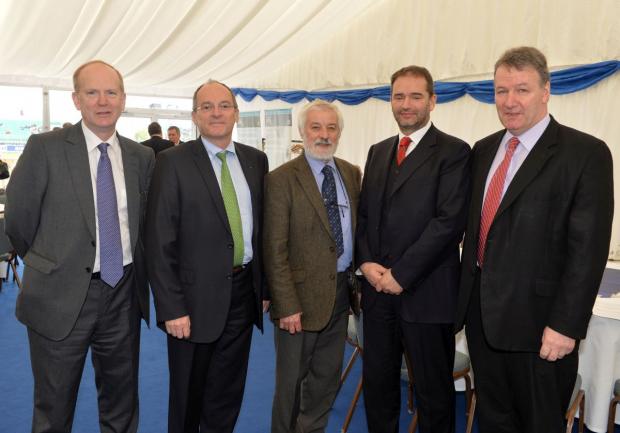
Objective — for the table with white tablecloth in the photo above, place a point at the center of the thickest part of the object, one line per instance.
(599, 353)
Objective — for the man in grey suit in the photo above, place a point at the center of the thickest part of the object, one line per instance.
(74, 211)
(310, 212)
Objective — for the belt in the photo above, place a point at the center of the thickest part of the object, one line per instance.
(97, 275)
(238, 269)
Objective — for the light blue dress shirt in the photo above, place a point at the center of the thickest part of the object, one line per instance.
(527, 140)
(244, 197)
(344, 208)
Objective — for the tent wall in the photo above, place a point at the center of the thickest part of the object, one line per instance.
(594, 110)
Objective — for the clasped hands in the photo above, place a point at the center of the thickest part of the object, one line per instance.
(381, 278)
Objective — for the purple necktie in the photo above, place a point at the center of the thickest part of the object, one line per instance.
(110, 247)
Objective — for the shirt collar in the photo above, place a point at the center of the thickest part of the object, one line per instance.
(417, 136)
(213, 150)
(92, 141)
(316, 165)
(529, 138)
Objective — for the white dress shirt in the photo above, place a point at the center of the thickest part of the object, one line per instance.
(416, 137)
(116, 160)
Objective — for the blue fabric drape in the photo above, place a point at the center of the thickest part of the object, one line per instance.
(565, 81)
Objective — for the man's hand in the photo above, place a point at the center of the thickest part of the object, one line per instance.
(178, 328)
(372, 272)
(292, 323)
(266, 305)
(388, 284)
(555, 345)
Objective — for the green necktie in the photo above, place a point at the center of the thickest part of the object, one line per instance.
(232, 210)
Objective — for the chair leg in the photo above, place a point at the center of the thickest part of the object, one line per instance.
(414, 423)
(472, 412)
(349, 366)
(356, 396)
(582, 414)
(468, 394)
(612, 415)
(15, 274)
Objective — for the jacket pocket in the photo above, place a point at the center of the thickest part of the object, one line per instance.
(39, 262)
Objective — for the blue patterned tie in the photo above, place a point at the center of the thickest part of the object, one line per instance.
(110, 247)
(330, 198)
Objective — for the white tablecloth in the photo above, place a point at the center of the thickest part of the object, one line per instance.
(599, 366)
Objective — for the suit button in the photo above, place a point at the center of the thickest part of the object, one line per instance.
(89, 270)
(93, 243)
(229, 277)
(332, 277)
(230, 245)
(332, 249)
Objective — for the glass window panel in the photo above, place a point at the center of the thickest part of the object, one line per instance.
(277, 136)
(159, 103)
(248, 129)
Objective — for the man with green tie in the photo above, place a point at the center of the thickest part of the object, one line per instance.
(202, 239)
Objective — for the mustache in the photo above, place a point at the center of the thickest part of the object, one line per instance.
(320, 141)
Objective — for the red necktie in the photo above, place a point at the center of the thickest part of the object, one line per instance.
(402, 149)
(494, 197)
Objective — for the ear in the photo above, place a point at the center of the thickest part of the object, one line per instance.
(547, 92)
(433, 101)
(76, 100)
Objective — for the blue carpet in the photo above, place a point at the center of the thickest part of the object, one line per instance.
(16, 384)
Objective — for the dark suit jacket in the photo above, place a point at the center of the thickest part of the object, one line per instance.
(428, 211)
(300, 252)
(188, 239)
(547, 247)
(158, 144)
(50, 219)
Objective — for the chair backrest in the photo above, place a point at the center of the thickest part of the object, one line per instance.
(5, 244)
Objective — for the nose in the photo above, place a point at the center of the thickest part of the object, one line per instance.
(102, 99)
(510, 99)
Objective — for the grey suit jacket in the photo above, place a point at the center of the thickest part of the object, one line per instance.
(299, 249)
(50, 220)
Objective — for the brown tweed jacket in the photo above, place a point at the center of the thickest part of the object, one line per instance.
(299, 251)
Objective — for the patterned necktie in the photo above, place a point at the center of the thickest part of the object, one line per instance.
(494, 197)
(232, 210)
(402, 149)
(110, 247)
(330, 198)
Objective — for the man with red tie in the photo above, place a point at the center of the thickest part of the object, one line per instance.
(411, 218)
(535, 249)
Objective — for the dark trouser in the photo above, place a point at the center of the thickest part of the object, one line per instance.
(517, 391)
(308, 366)
(207, 379)
(431, 350)
(109, 323)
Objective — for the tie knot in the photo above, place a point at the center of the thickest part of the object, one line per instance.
(326, 170)
(221, 155)
(405, 141)
(103, 148)
(512, 144)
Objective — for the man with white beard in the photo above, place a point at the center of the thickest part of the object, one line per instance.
(310, 213)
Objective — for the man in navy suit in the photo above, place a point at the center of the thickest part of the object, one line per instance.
(535, 249)
(412, 213)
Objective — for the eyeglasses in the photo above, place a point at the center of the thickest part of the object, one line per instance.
(208, 107)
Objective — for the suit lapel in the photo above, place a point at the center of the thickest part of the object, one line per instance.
(203, 163)
(132, 186)
(251, 177)
(308, 184)
(534, 162)
(418, 156)
(79, 170)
